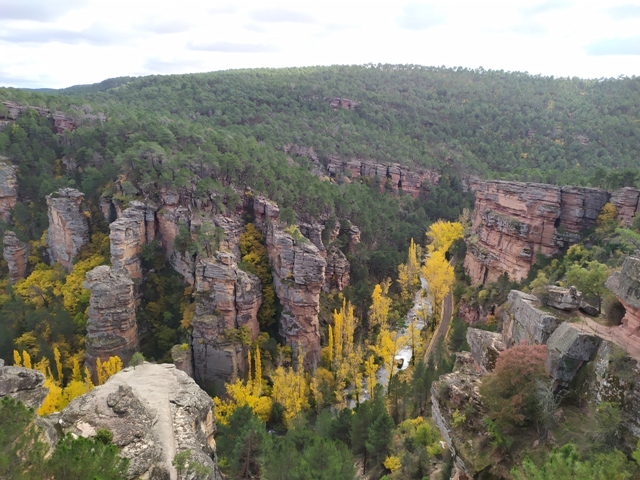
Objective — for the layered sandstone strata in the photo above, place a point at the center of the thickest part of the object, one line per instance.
(627, 202)
(128, 234)
(410, 181)
(221, 286)
(298, 276)
(625, 285)
(514, 221)
(485, 348)
(68, 226)
(8, 189)
(227, 299)
(337, 272)
(569, 348)
(111, 326)
(16, 254)
(154, 412)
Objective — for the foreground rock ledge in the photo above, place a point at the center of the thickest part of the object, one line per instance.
(154, 411)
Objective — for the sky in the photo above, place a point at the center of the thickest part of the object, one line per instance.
(60, 43)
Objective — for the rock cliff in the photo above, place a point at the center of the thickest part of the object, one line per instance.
(298, 276)
(226, 298)
(400, 177)
(154, 412)
(16, 254)
(128, 234)
(625, 285)
(627, 202)
(569, 348)
(23, 384)
(523, 321)
(61, 121)
(337, 271)
(514, 221)
(485, 348)
(111, 326)
(8, 189)
(68, 226)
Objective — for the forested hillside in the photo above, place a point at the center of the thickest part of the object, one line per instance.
(294, 240)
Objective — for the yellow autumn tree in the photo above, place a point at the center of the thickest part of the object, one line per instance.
(344, 355)
(107, 369)
(413, 335)
(370, 369)
(380, 305)
(290, 389)
(248, 393)
(441, 235)
(408, 273)
(388, 345)
(440, 277)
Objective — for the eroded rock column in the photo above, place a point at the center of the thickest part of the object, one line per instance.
(111, 326)
(68, 226)
(8, 188)
(16, 254)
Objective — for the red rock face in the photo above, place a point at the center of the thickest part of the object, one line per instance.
(337, 271)
(627, 202)
(471, 315)
(16, 255)
(68, 226)
(400, 177)
(134, 228)
(8, 189)
(625, 285)
(298, 276)
(514, 221)
(111, 326)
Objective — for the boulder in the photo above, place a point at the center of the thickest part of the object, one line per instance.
(568, 349)
(568, 299)
(68, 226)
(523, 321)
(154, 412)
(485, 348)
(588, 309)
(16, 254)
(23, 384)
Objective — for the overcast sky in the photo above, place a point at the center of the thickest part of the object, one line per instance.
(59, 43)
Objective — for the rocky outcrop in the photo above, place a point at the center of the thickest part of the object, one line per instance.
(111, 325)
(265, 213)
(226, 298)
(128, 234)
(485, 348)
(457, 392)
(221, 286)
(344, 103)
(523, 321)
(627, 202)
(68, 226)
(61, 121)
(625, 285)
(16, 254)
(354, 238)
(568, 349)
(514, 221)
(400, 177)
(616, 378)
(23, 384)
(298, 271)
(472, 315)
(337, 271)
(183, 358)
(170, 218)
(8, 189)
(568, 299)
(153, 412)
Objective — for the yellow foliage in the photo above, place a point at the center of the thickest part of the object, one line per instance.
(388, 346)
(43, 282)
(370, 369)
(290, 389)
(17, 360)
(608, 213)
(240, 393)
(443, 234)
(107, 369)
(440, 277)
(26, 359)
(392, 463)
(380, 305)
(56, 357)
(72, 291)
(27, 341)
(54, 396)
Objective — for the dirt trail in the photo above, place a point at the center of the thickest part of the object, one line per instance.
(618, 335)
